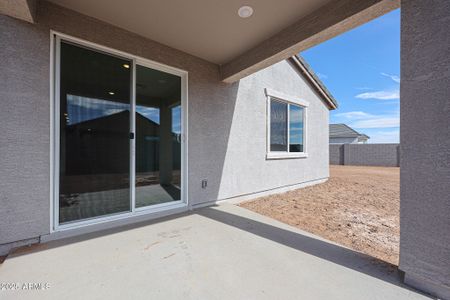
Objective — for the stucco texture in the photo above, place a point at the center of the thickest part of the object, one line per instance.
(226, 121)
(246, 169)
(25, 128)
(425, 146)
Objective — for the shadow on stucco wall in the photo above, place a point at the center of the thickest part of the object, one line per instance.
(210, 124)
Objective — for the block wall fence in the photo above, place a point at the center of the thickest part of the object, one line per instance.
(386, 155)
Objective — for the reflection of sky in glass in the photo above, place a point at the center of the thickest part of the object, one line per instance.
(278, 120)
(80, 109)
(176, 119)
(295, 124)
(150, 113)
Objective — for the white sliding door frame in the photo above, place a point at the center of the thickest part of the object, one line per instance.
(55, 53)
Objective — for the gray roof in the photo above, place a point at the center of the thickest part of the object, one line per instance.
(344, 131)
(304, 67)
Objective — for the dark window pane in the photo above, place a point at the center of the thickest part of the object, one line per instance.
(94, 134)
(158, 142)
(278, 126)
(295, 128)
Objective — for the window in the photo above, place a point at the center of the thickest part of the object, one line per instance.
(286, 126)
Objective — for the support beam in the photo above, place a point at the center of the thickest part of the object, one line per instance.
(326, 22)
(20, 9)
(425, 146)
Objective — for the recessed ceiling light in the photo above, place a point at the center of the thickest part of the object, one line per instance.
(111, 93)
(126, 66)
(245, 12)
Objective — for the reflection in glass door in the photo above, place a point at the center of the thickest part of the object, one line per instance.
(94, 144)
(118, 135)
(158, 137)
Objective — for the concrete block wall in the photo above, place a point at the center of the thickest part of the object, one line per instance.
(386, 155)
(337, 154)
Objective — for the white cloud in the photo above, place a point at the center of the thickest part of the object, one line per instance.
(393, 77)
(363, 88)
(321, 75)
(363, 120)
(377, 122)
(354, 115)
(112, 111)
(380, 95)
(391, 136)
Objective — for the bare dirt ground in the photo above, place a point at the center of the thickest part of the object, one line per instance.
(358, 207)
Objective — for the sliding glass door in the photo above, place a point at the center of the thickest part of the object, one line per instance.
(94, 118)
(119, 128)
(158, 141)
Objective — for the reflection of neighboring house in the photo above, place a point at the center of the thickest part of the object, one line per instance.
(81, 135)
(344, 134)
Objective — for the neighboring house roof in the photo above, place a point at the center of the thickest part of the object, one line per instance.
(306, 70)
(345, 131)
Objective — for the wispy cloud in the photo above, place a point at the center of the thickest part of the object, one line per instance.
(321, 75)
(361, 120)
(377, 122)
(352, 115)
(380, 95)
(395, 78)
(380, 136)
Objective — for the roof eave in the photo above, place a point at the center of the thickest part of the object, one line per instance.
(315, 81)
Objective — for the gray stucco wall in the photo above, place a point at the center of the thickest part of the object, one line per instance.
(425, 145)
(25, 111)
(387, 155)
(226, 121)
(245, 168)
(25, 128)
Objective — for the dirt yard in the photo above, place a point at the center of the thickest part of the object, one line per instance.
(357, 207)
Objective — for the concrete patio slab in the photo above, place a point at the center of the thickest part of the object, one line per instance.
(221, 252)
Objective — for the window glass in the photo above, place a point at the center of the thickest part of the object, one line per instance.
(295, 128)
(158, 137)
(94, 151)
(278, 126)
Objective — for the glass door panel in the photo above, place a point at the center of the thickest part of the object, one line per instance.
(158, 137)
(94, 143)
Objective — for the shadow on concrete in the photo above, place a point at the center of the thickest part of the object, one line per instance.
(331, 252)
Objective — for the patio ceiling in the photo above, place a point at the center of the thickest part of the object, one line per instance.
(213, 31)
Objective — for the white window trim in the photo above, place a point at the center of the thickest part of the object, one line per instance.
(272, 94)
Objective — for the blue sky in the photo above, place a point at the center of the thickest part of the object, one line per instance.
(361, 68)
